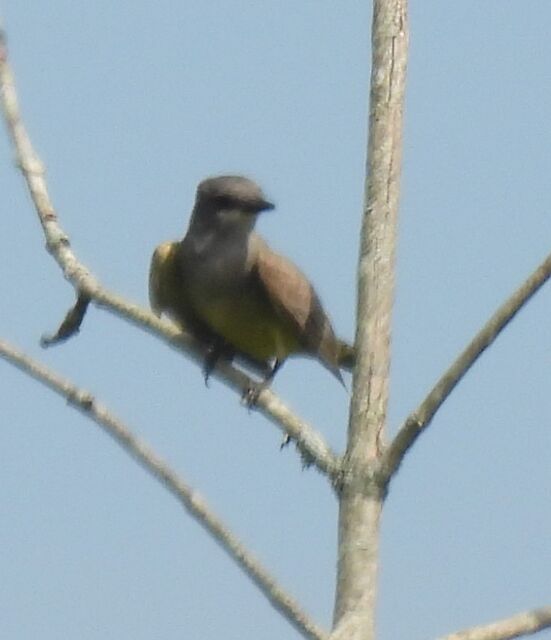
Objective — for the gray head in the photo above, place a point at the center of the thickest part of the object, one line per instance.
(229, 204)
(230, 193)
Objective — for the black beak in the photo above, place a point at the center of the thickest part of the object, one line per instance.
(265, 205)
(256, 206)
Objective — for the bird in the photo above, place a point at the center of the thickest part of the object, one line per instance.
(224, 285)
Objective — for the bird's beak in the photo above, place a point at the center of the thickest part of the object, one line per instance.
(265, 205)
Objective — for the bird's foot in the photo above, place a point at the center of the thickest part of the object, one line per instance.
(211, 359)
(215, 352)
(250, 394)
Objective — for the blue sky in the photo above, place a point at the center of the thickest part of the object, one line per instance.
(130, 105)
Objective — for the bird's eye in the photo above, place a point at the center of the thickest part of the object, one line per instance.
(224, 202)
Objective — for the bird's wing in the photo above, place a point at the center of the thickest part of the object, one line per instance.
(295, 300)
(157, 277)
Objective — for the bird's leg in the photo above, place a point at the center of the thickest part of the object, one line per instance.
(277, 366)
(216, 350)
(250, 395)
(259, 367)
(211, 358)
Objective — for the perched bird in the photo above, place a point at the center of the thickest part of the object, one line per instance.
(224, 285)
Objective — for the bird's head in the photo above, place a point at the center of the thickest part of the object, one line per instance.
(229, 202)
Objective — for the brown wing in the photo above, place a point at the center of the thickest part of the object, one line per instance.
(295, 299)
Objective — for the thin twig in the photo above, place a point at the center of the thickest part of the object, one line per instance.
(190, 499)
(310, 443)
(523, 624)
(71, 323)
(422, 416)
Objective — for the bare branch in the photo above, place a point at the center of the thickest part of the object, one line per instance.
(310, 443)
(422, 416)
(194, 504)
(362, 492)
(523, 624)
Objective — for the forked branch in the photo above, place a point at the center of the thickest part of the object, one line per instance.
(418, 421)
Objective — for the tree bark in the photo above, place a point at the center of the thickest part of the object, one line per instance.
(362, 488)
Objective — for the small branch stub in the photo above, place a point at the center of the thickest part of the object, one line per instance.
(71, 323)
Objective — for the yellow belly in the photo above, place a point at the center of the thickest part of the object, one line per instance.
(251, 327)
(249, 324)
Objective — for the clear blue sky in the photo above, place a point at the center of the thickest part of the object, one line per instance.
(130, 105)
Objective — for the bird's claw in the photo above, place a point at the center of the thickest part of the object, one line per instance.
(250, 394)
(211, 360)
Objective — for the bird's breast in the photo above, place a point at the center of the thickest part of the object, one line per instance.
(215, 266)
(225, 295)
(250, 324)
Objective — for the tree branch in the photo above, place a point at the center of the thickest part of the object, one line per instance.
(523, 624)
(71, 323)
(194, 504)
(422, 416)
(362, 493)
(312, 446)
